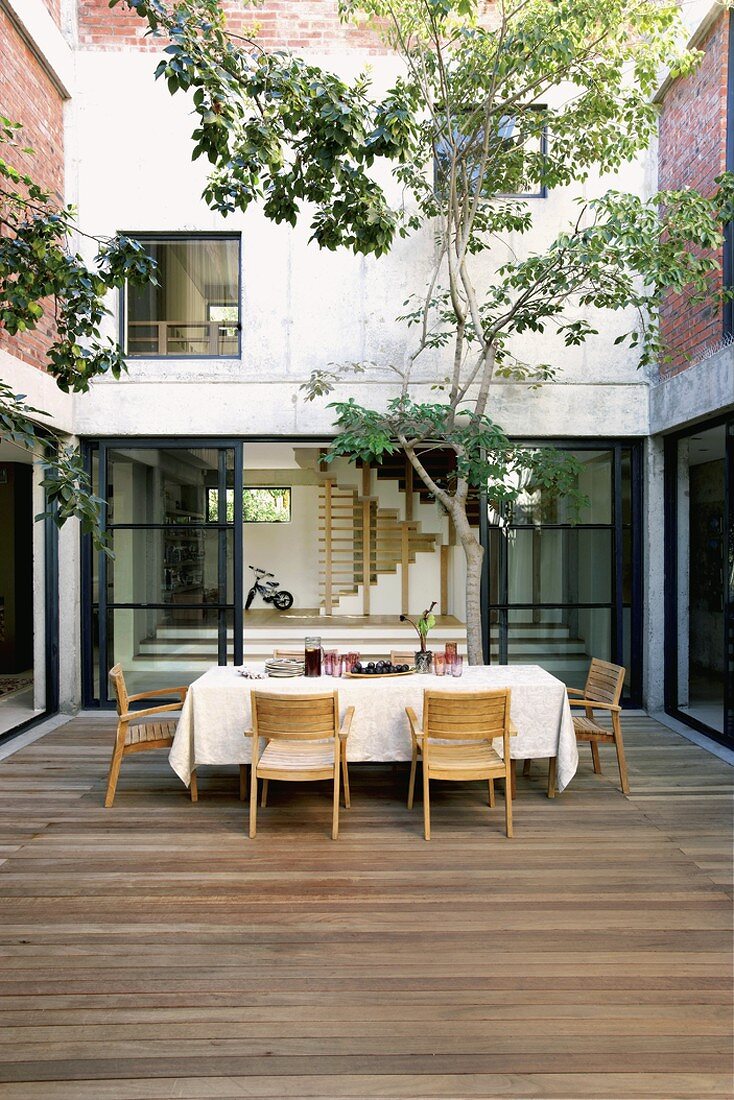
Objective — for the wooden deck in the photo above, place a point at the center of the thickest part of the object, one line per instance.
(153, 951)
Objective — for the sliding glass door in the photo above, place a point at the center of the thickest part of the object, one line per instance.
(561, 588)
(700, 578)
(168, 602)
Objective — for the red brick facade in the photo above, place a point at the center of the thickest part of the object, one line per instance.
(54, 10)
(692, 152)
(286, 24)
(27, 95)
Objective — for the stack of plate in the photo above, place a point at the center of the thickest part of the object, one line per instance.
(284, 667)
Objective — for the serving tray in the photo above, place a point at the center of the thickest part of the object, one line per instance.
(377, 675)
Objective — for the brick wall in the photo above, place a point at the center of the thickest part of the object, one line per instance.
(692, 152)
(54, 10)
(28, 96)
(289, 24)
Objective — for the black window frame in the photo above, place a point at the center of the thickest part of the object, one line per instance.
(671, 594)
(541, 193)
(634, 678)
(148, 235)
(103, 606)
(50, 626)
(240, 444)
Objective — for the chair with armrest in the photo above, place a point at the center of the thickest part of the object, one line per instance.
(602, 692)
(402, 657)
(455, 742)
(303, 741)
(135, 734)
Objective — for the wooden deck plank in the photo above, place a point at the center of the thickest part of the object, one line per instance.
(152, 950)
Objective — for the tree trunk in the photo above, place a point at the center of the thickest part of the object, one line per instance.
(474, 552)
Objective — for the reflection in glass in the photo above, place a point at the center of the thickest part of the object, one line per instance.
(559, 565)
(595, 482)
(194, 310)
(701, 576)
(157, 485)
(560, 640)
(153, 649)
(171, 565)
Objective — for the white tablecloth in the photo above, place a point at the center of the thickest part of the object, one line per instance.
(217, 711)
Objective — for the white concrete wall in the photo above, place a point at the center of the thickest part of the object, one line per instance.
(129, 167)
(290, 550)
(301, 307)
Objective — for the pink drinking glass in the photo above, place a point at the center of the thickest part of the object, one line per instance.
(450, 652)
(439, 664)
(336, 664)
(457, 667)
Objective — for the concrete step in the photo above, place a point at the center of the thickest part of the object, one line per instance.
(548, 632)
(537, 647)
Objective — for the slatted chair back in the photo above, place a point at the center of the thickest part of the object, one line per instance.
(466, 715)
(604, 682)
(402, 656)
(118, 683)
(295, 717)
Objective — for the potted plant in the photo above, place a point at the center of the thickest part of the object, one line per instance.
(424, 657)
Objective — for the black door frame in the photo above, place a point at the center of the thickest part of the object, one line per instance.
(240, 444)
(102, 446)
(672, 533)
(50, 628)
(501, 605)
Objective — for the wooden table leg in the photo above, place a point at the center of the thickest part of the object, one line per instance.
(552, 777)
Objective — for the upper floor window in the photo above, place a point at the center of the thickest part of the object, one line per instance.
(516, 157)
(194, 312)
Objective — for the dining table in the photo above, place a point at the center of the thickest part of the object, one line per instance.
(217, 712)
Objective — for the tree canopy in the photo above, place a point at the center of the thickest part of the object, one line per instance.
(493, 102)
(41, 273)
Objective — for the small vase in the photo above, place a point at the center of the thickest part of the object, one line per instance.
(423, 660)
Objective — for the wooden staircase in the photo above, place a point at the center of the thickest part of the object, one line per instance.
(359, 541)
(440, 464)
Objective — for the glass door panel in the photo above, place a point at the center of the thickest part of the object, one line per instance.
(168, 604)
(702, 553)
(560, 592)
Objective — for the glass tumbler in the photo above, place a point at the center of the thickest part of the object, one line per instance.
(313, 656)
(450, 652)
(457, 667)
(439, 664)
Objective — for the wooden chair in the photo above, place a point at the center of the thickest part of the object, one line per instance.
(472, 720)
(603, 691)
(134, 734)
(402, 657)
(303, 741)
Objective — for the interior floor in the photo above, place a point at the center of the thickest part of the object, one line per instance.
(706, 700)
(16, 707)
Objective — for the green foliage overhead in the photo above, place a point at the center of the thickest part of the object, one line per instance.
(493, 102)
(42, 276)
(486, 460)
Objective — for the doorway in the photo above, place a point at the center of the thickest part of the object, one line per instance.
(701, 578)
(17, 681)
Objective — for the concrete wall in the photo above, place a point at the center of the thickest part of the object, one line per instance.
(127, 155)
(302, 308)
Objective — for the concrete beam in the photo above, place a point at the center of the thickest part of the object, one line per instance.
(245, 407)
(704, 390)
